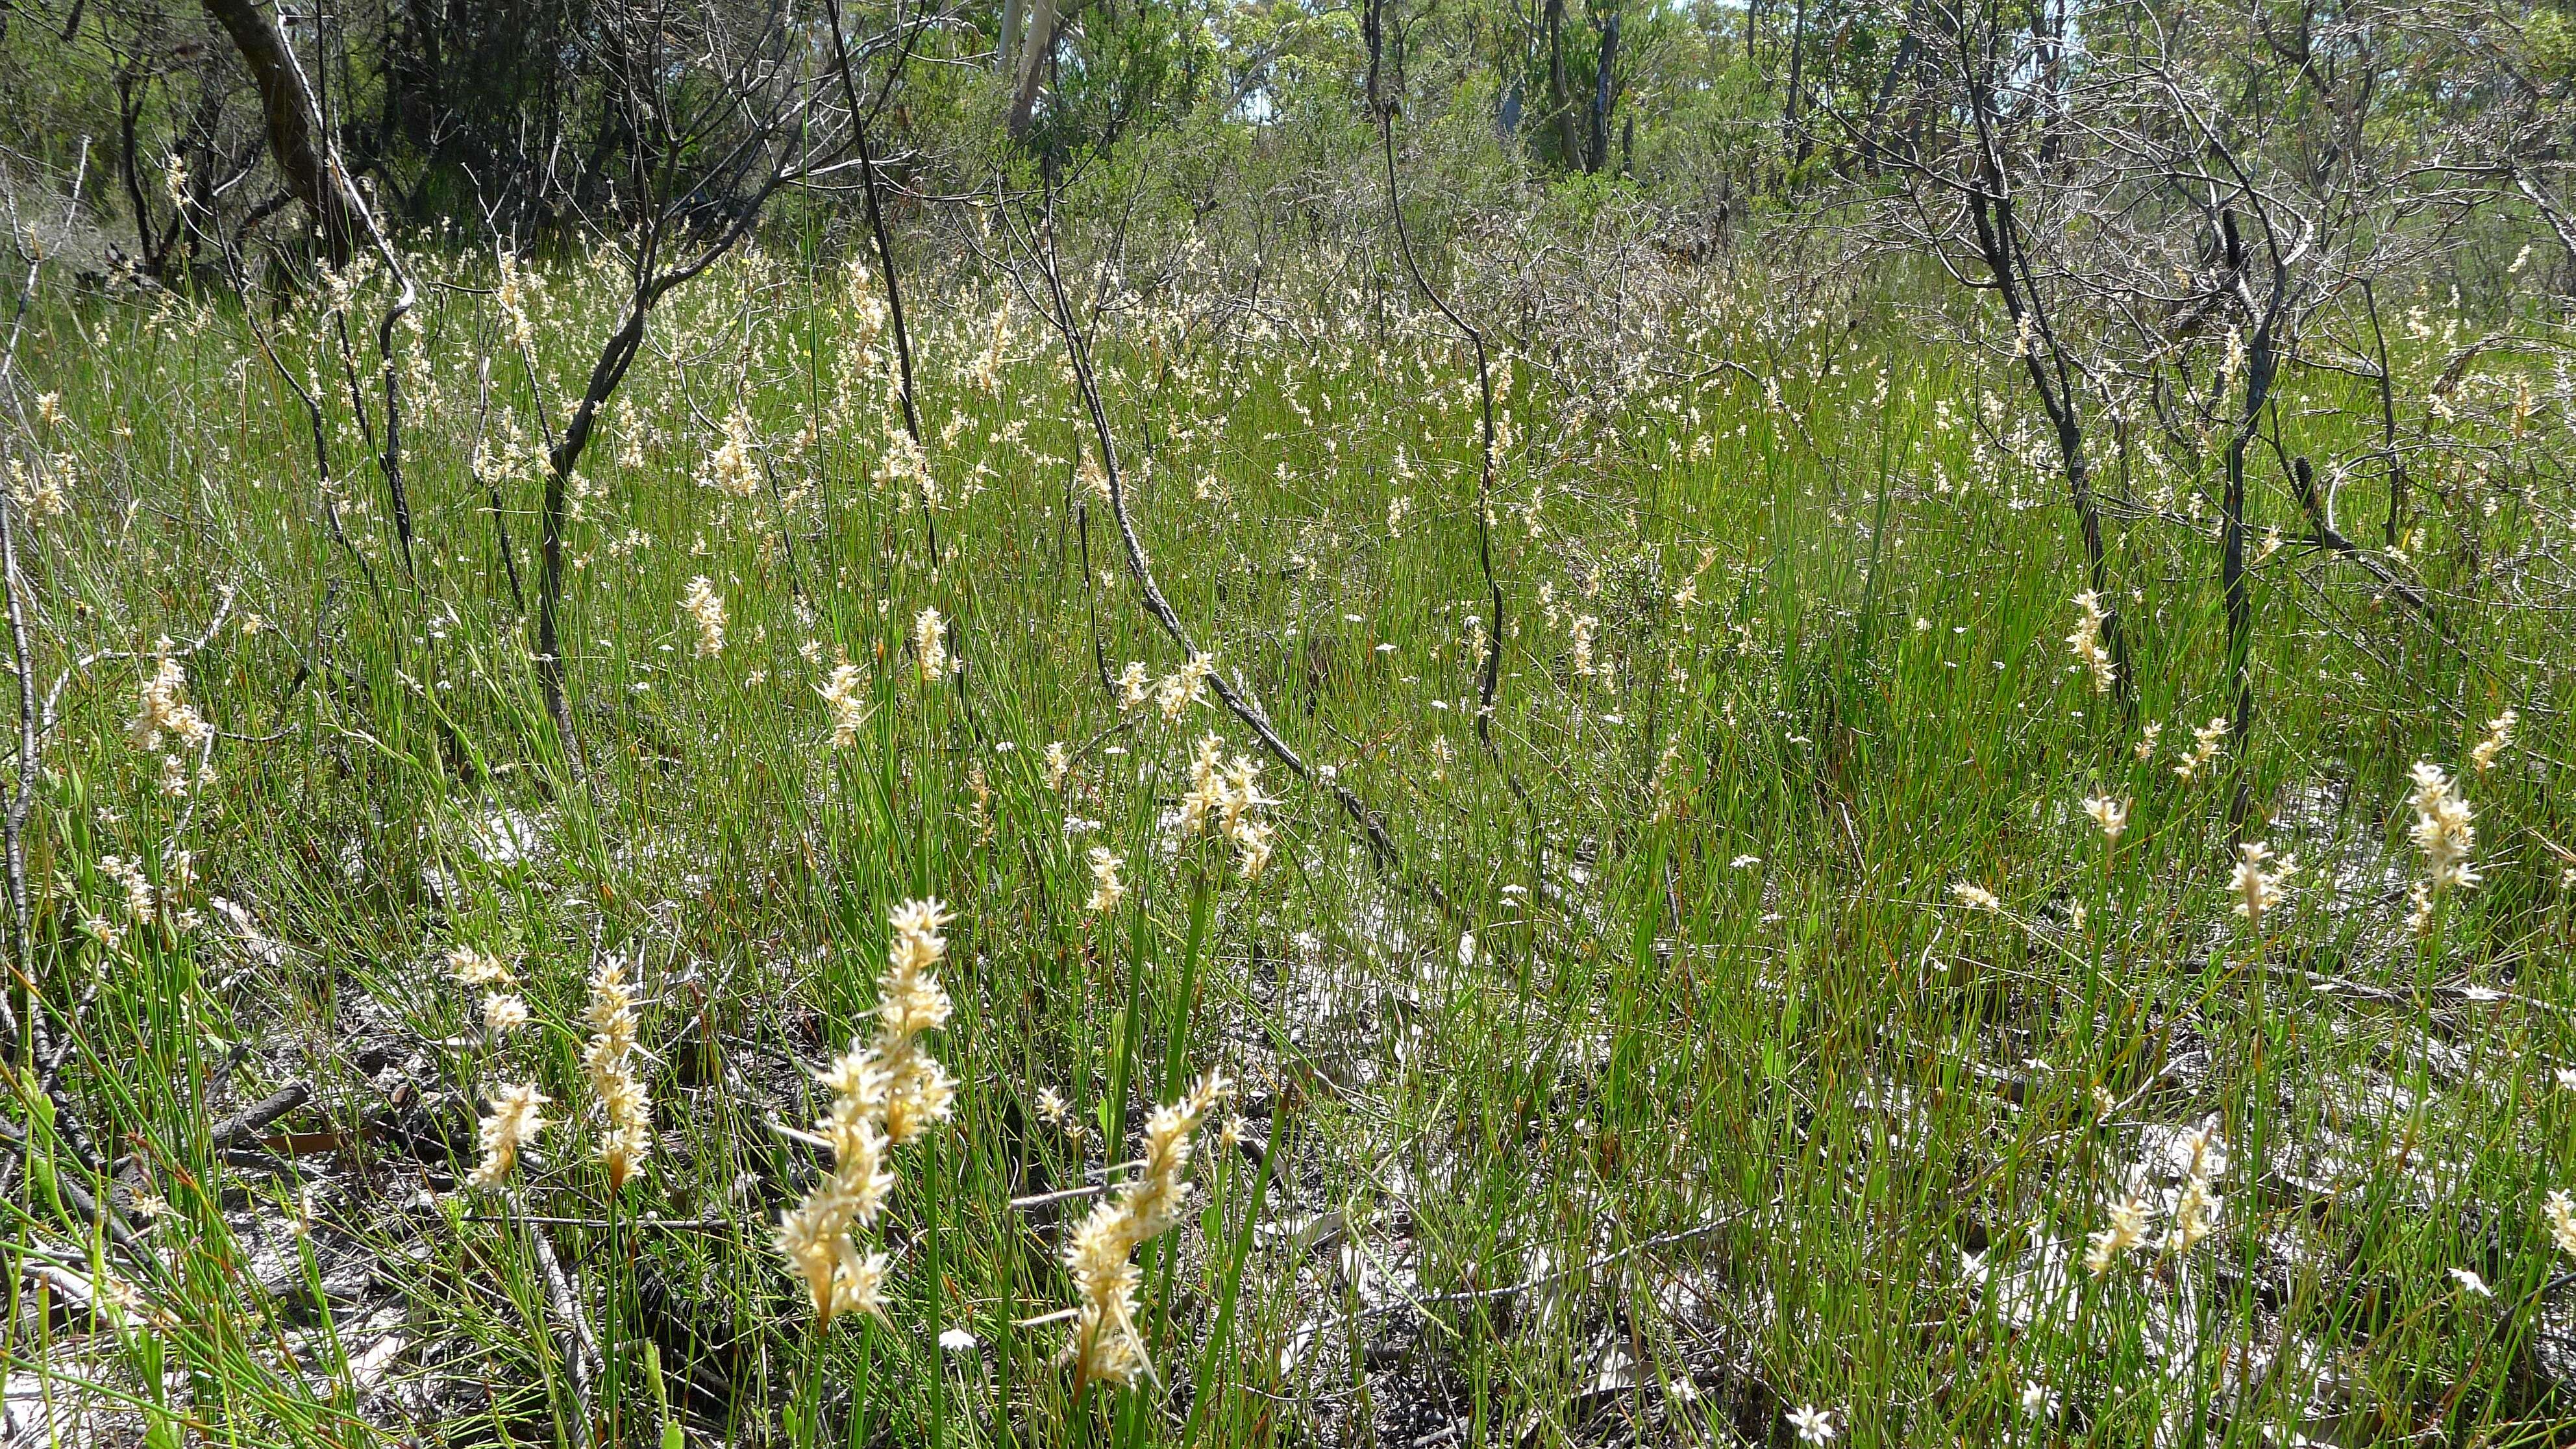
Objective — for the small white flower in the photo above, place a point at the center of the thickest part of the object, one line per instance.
(2110, 816)
(1975, 896)
(1814, 1425)
(956, 1340)
(2471, 1284)
(504, 1014)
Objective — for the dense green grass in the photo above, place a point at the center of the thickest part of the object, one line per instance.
(1662, 1086)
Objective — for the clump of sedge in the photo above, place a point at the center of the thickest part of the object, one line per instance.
(1106, 1346)
(609, 1062)
(511, 1125)
(2444, 831)
(1223, 796)
(885, 1093)
(2258, 881)
(707, 610)
(164, 708)
(2087, 641)
(930, 645)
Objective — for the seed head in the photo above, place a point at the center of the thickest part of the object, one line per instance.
(1179, 691)
(732, 468)
(1106, 889)
(2443, 829)
(701, 604)
(164, 708)
(1975, 896)
(841, 704)
(1581, 632)
(2110, 816)
(609, 1062)
(2127, 1230)
(2257, 882)
(2087, 641)
(504, 1014)
(1105, 1345)
(2195, 1214)
(2499, 739)
(511, 1125)
(2561, 1211)
(930, 645)
(2207, 741)
(2146, 747)
(884, 1093)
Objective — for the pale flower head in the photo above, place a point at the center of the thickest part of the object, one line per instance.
(504, 1014)
(2499, 739)
(2127, 1230)
(1106, 1345)
(885, 1092)
(2207, 741)
(164, 709)
(513, 1122)
(479, 968)
(733, 467)
(608, 1061)
(707, 610)
(1106, 888)
(2443, 829)
(930, 645)
(1179, 691)
(2110, 816)
(2560, 1210)
(1975, 896)
(2088, 641)
(1052, 1108)
(2258, 879)
(842, 705)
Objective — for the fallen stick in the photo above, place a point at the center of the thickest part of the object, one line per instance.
(582, 1351)
(243, 1126)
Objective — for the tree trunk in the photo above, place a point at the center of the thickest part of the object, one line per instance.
(1035, 47)
(1012, 11)
(1999, 247)
(1602, 98)
(1797, 73)
(129, 111)
(294, 122)
(1560, 105)
(1873, 144)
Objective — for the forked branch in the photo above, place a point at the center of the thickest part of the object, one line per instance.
(1491, 666)
(1068, 327)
